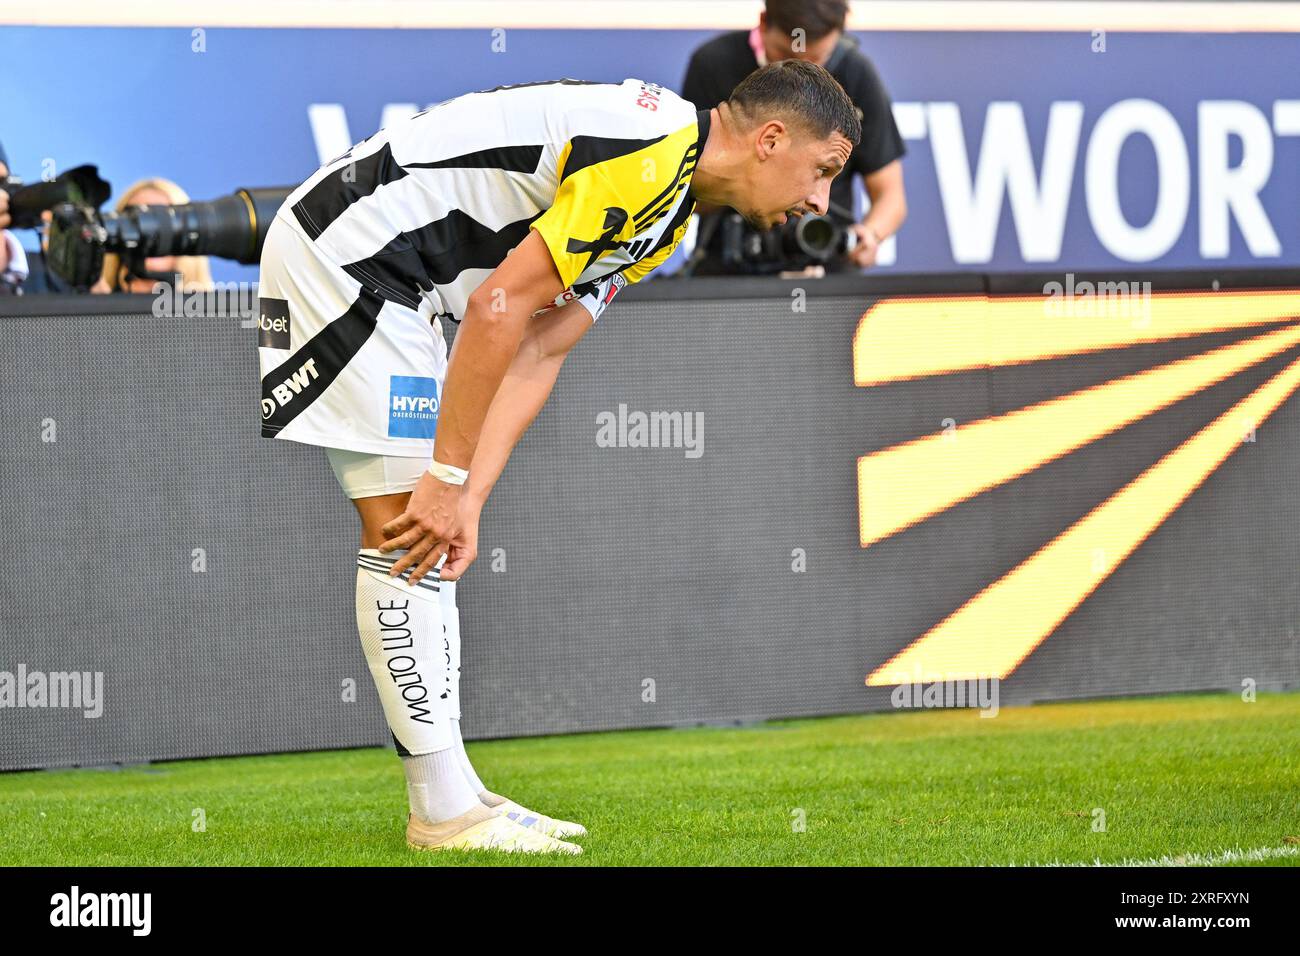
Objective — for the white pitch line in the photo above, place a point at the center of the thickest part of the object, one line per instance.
(1237, 855)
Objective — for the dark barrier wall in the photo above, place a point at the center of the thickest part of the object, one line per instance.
(1080, 504)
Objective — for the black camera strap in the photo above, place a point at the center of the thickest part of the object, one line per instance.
(843, 47)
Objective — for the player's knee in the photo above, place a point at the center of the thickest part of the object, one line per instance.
(376, 512)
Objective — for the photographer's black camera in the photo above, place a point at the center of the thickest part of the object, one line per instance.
(232, 227)
(802, 241)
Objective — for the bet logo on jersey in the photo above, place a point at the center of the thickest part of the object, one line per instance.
(273, 323)
(412, 406)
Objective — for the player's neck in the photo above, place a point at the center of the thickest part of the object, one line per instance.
(720, 168)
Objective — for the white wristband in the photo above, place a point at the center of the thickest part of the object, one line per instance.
(448, 473)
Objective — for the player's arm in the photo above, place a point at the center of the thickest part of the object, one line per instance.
(888, 210)
(528, 383)
(524, 390)
(486, 344)
(599, 190)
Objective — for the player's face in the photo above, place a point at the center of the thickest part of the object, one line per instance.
(792, 174)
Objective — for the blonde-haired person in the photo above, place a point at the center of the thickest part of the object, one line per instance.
(196, 275)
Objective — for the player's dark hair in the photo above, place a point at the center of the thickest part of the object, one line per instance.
(815, 17)
(800, 93)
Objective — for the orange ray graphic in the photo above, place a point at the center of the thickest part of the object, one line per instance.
(905, 484)
(908, 338)
(993, 632)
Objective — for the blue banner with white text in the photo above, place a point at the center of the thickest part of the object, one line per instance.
(1025, 151)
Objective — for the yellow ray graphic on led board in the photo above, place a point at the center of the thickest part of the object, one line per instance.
(904, 484)
(907, 338)
(997, 629)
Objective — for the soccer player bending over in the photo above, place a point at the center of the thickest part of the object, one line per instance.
(520, 211)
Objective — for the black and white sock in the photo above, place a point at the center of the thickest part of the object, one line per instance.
(408, 652)
(451, 626)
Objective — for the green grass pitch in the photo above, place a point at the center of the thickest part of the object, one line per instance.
(1189, 778)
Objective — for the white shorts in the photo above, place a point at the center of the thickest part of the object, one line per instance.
(363, 475)
(341, 366)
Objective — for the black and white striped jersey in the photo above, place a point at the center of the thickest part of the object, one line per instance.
(429, 206)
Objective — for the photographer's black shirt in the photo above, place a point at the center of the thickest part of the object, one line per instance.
(718, 66)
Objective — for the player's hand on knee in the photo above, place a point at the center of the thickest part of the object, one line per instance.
(431, 511)
(419, 559)
(425, 528)
(426, 563)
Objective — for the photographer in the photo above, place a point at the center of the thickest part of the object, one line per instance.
(808, 30)
(4, 196)
(153, 236)
(195, 272)
(13, 260)
(20, 275)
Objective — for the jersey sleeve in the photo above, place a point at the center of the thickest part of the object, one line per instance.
(610, 190)
(584, 223)
(596, 296)
(596, 203)
(639, 270)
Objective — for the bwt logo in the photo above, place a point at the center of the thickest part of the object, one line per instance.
(293, 385)
(412, 406)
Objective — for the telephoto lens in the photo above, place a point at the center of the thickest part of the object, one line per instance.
(232, 227)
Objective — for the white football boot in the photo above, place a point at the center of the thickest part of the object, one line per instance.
(481, 828)
(540, 822)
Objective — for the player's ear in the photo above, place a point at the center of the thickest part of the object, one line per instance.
(769, 137)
